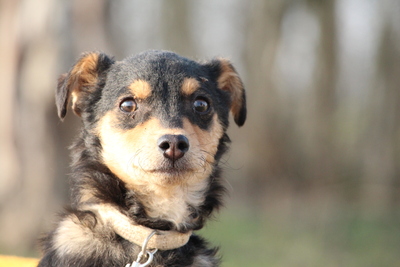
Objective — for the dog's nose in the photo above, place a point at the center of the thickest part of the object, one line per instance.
(173, 146)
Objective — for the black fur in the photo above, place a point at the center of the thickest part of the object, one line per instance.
(163, 70)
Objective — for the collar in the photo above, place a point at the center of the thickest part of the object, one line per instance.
(135, 233)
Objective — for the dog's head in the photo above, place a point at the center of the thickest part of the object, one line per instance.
(158, 117)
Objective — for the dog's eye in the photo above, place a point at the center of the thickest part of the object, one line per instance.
(128, 105)
(201, 106)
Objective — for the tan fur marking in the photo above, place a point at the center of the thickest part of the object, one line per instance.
(84, 71)
(205, 141)
(189, 86)
(229, 81)
(133, 155)
(140, 89)
(83, 74)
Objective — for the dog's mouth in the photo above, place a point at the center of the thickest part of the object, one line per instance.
(164, 167)
(170, 170)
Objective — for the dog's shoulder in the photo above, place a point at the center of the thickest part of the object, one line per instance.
(81, 239)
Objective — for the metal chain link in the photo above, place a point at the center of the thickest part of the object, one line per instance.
(144, 251)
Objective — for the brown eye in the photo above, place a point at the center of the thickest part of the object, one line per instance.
(201, 106)
(128, 105)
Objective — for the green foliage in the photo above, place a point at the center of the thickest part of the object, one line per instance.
(349, 240)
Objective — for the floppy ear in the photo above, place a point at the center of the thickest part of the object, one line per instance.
(228, 80)
(80, 82)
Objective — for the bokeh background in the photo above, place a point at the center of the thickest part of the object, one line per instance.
(313, 176)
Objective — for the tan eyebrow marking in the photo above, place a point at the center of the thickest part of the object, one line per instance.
(140, 89)
(189, 86)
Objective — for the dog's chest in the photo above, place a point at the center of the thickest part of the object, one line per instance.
(174, 204)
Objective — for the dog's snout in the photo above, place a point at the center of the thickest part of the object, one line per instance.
(173, 147)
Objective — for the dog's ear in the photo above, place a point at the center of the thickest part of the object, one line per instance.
(228, 80)
(80, 81)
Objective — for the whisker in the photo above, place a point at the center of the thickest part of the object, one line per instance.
(229, 185)
(131, 161)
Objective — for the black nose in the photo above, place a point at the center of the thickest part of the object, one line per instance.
(173, 146)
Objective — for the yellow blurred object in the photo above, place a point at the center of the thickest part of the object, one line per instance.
(13, 261)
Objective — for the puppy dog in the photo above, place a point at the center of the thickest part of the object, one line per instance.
(145, 168)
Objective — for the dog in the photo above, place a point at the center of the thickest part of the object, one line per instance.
(145, 166)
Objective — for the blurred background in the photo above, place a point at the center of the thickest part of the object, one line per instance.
(314, 174)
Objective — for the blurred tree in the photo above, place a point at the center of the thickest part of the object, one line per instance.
(381, 177)
(323, 163)
(9, 54)
(29, 76)
(265, 160)
(176, 27)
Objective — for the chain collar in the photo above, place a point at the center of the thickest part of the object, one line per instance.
(150, 254)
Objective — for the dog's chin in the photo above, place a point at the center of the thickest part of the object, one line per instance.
(171, 175)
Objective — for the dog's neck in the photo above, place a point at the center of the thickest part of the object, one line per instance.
(136, 234)
(179, 208)
(177, 204)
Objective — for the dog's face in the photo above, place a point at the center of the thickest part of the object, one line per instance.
(159, 118)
